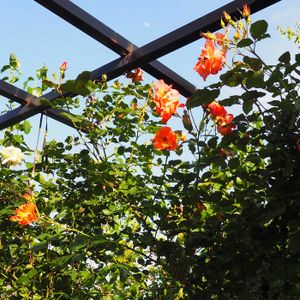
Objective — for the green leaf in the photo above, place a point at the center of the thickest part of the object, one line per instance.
(40, 178)
(61, 261)
(12, 249)
(245, 43)
(234, 163)
(230, 101)
(44, 101)
(255, 80)
(247, 106)
(42, 72)
(297, 58)
(68, 87)
(186, 120)
(233, 77)
(259, 29)
(14, 62)
(4, 68)
(107, 212)
(29, 165)
(83, 78)
(6, 211)
(27, 126)
(24, 278)
(203, 96)
(285, 57)
(40, 246)
(73, 118)
(212, 143)
(252, 95)
(80, 83)
(254, 63)
(49, 83)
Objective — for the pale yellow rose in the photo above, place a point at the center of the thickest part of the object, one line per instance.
(11, 156)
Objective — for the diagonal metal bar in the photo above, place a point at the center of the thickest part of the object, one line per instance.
(102, 33)
(73, 14)
(24, 98)
(168, 43)
(10, 91)
(190, 32)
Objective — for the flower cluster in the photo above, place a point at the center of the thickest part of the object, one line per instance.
(25, 214)
(166, 100)
(11, 156)
(222, 118)
(211, 59)
(213, 55)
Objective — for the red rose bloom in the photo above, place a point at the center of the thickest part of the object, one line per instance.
(166, 100)
(63, 66)
(137, 75)
(246, 11)
(25, 214)
(225, 125)
(216, 109)
(165, 139)
(210, 61)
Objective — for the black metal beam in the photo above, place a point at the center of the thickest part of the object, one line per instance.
(76, 16)
(142, 56)
(25, 99)
(10, 91)
(191, 31)
(82, 20)
(164, 45)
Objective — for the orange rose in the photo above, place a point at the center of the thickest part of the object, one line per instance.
(246, 11)
(225, 125)
(220, 38)
(25, 214)
(216, 109)
(137, 75)
(227, 17)
(28, 197)
(63, 66)
(210, 61)
(166, 100)
(165, 139)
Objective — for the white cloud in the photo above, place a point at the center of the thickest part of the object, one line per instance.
(147, 24)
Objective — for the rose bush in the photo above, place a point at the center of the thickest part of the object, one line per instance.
(132, 209)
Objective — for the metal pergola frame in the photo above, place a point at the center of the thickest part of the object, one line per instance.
(130, 55)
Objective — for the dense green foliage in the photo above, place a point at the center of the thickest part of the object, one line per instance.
(216, 219)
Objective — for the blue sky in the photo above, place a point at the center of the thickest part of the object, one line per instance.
(38, 37)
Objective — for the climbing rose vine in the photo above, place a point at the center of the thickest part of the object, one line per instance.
(154, 196)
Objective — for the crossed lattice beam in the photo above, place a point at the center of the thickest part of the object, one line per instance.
(130, 55)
